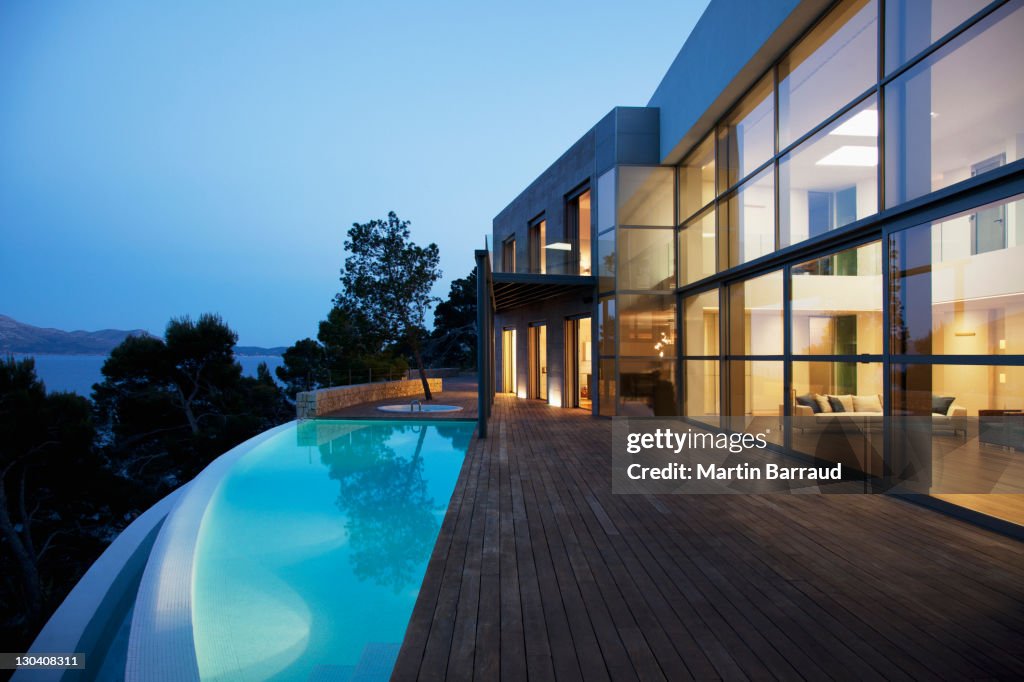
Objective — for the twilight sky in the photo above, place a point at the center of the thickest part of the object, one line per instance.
(158, 159)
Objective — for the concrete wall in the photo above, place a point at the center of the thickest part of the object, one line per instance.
(310, 404)
(731, 46)
(625, 135)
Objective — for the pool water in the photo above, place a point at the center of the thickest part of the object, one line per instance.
(312, 551)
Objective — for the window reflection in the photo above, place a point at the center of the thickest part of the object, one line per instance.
(827, 69)
(648, 388)
(645, 195)
(959, 113)
(837, 303)
(747, 218)
(755, 316)
(831, 180)
(698, 251)
(646, 259)
(958, 285)
(700, 323)
(647, 325)
(697, 178)
(913, 25)
(746, 138)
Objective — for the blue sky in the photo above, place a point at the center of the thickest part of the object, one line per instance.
(160, 159)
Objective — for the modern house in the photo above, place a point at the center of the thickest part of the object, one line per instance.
(820, 212)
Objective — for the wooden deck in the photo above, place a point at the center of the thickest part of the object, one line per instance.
(541, 573)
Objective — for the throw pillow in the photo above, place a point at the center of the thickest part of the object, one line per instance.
(866, 403)
(809, 401)
(823, 402)
(846, 400)
(836, 403)
(940, 404)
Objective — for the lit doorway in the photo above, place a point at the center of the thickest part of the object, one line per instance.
(538, 348)
(578, 349)
(508, 360)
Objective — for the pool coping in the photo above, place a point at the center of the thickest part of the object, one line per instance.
(161, 645)
(81, 620)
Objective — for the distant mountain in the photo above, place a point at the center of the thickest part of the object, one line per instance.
(259, 350)
(18, 337)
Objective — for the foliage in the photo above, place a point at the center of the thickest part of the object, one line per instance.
(305, 367)
(173, 405)
(58, 504)
(388, 279)
(453, 341)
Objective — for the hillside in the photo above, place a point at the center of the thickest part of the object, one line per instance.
(18, 337)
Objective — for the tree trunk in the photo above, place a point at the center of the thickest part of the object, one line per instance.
(26, 563)
(419, 363)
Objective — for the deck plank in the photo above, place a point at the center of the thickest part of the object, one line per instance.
(541, 573)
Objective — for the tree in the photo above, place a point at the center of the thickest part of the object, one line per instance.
(388, 279)
(47, 460)
(453, 341)
(174, 404)
(305, 367)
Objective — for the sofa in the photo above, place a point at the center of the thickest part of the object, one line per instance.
(814, 410)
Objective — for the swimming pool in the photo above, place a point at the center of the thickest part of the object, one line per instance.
(312, 549)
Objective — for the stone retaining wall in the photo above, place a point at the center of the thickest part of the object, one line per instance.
(310, 404)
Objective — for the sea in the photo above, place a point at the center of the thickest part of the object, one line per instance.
(77, 373)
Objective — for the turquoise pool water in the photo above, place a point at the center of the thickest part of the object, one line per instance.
(312, 551)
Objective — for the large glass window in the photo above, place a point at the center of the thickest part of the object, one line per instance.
(837, 303)
(835, 62)
(606, 326)
(538, 242)
(747, 219)
(606, 201)
(746, 138)
(606, 387)
(582, 210)
(958, 284)
(836, 413)
(831, 180)
(647, 325)
(645, 196)
(700, 323)
(755, 316)
(700, 390)
(913, 25)
(606, 261)
(973, 446)
(960, 112)
(646, 259)
(697, 178)
(648, 388)
(755, 397)
(698, 251)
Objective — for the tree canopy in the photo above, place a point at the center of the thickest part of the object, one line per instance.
(388, 279)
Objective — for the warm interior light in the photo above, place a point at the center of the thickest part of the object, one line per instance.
(851, 155)
(1002, 377)
(708, 235)
(1002, 344)
(863, 124)
(964, 334)
(559, 246)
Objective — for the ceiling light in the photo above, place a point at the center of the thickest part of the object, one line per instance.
(559, 246)
(851, 155)
(863, 124)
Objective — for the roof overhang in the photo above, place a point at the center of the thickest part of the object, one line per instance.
(514, 290)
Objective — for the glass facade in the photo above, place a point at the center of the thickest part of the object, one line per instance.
(833, 64)
(960, 112)
(831, 179)
(812, 301)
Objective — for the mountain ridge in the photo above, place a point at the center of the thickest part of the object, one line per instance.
(18, 337)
